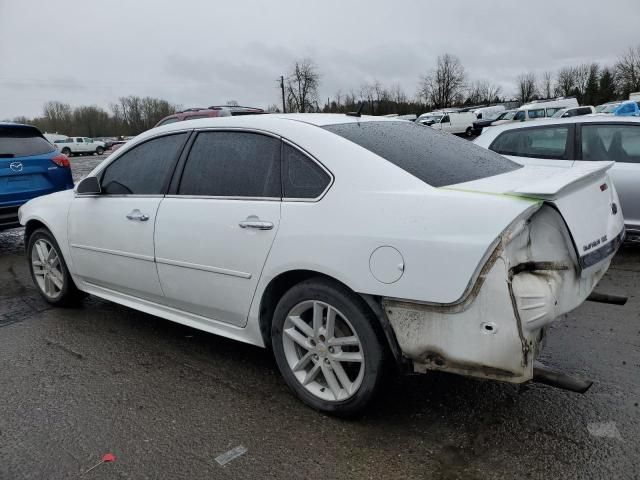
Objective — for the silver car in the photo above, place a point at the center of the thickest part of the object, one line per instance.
(566, 142)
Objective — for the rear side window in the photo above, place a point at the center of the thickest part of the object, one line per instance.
(145, 169)
(22, 142)
(233, 164)
(434, 157)
(301, 176)
(548, 143)
(620, 143)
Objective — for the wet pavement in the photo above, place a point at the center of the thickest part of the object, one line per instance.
(167, 400)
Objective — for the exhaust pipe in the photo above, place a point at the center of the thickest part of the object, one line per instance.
(542, 374)
(606, 298)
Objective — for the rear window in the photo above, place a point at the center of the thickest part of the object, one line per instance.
(436, 158)
(22, 142)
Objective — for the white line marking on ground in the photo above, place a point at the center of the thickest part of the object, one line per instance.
(604, 429)
(231, 455)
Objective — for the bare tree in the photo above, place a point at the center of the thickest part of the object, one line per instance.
(302, 86)
(482, 91)
(582, 78)
(444, 86)
(57, 116)
(566, 82)
(628, 71)
(546, 87)
(397, 95)
(526, 87)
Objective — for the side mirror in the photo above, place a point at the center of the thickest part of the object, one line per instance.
(89, 186)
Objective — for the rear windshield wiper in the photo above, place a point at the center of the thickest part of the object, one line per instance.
(7, 155)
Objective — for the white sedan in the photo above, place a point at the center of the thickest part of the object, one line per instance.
(344, 243)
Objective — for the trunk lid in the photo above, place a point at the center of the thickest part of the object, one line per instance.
(584, 195)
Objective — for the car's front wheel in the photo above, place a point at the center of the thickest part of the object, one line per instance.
(49, 270)
(327, 348)
(99, 150)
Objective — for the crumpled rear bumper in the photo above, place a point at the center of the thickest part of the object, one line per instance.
(496, 331)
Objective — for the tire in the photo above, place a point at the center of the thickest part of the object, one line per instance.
(61, 293)
(66, 151)
(326, 359)
(468, 132)
(99, 151)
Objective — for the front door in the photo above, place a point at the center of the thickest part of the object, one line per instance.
(214, 232)
(111, 234)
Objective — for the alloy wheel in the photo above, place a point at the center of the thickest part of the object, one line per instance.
(323, 351)
(47, 268)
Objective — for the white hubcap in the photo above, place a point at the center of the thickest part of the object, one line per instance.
(47, 269)
(323, 350)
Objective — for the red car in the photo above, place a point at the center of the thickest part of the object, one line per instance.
(213, 111)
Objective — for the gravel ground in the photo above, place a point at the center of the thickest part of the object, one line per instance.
(167, 400)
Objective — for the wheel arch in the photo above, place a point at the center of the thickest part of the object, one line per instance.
(284, 281)
(30, 227)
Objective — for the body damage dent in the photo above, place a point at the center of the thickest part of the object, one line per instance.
(530, 278)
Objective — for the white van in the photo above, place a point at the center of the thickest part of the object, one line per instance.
(456, 122)
(489, 113)
(543, 108)
(635, 96)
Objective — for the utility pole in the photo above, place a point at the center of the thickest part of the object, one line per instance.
(284, 107)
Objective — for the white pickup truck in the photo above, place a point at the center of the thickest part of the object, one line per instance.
(80, 146)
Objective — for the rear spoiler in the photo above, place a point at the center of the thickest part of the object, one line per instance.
(577, 175)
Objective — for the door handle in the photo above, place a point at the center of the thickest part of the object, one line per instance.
(257, 224)
(137, 215)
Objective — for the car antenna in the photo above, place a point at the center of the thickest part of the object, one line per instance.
(358, 113)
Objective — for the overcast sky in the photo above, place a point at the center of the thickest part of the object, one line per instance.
(204, 52)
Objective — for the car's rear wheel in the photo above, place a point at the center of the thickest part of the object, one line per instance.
(66, 151)
(468, 132)
(99, 150)
(49, 270)
(326, 347)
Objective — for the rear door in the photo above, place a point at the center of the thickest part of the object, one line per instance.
(214, 232)
(551, 145)
(618, 142)
(111, 234)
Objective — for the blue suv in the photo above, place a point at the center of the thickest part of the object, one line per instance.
(30, 166)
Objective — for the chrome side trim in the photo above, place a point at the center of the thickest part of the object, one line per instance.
(204, 268)
(211, 197)
(148, 258)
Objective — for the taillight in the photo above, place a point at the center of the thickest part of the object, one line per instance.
(61, 160)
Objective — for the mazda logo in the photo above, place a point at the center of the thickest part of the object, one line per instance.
(15, 166)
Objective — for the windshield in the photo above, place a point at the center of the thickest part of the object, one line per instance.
(434, 157)
(431, 119)
(508, 116)
(609, 108)
(19, 141)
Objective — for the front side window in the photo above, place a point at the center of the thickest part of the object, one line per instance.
(620, 143)
(539, 113)
(548, 143)
(144, 169)
(519, 116)
(233, 164)
(437, 158)
(301, 176)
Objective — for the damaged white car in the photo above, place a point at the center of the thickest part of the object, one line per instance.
(344, 243)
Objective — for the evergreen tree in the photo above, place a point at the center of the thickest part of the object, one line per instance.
(607, 89)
